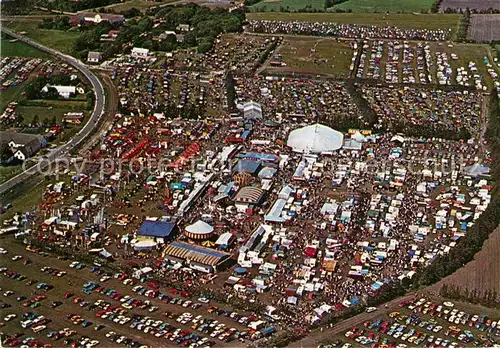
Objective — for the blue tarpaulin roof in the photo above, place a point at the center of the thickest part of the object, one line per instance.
(156, 229)
(247, 166)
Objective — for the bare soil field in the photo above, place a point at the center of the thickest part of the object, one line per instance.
(471, 4)
(484, 27)
(482, 273)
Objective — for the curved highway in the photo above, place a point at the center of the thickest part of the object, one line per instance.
(91, 124)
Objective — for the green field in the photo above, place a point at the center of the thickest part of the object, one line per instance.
(384, 6)
(7, 172)
(314, 56)
(138, 4)
(56, 39)
(19, 49)
(45, 113)
(287, 5)
(404, 20)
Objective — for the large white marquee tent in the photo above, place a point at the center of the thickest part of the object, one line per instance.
(315, 138)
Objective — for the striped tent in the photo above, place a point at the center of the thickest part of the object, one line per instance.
(249, 194)
(196, 253)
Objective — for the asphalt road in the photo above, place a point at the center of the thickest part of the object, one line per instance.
(87, 129)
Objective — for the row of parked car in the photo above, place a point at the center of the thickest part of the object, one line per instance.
(447, 312)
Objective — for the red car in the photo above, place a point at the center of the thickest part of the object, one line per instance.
(68, 294)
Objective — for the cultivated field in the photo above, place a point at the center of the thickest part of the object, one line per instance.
(291, 5)
(403, 20)
(484, 27)
(471, 4)
(312, 56)
(384, 6)
(483, 273)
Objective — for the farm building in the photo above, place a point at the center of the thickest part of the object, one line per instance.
(64, 91)
(94, 57)
(23, 145)
(96, 18)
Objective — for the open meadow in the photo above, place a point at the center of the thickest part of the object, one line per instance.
(12, 48)
(288, 5)
(312, 56)
(61, 40)
(384, 6)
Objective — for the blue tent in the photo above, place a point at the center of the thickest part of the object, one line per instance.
(156, 229)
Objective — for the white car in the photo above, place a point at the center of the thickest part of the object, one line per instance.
(204, 300)
(17, 257)
(371, 309)
(10, 317)
(449, 304)
(104, 278)
(73, 264)
(3, 251)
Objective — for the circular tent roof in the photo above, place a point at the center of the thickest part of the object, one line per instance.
(199, 230)
(315, 138)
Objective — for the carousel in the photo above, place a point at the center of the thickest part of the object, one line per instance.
(200, 230)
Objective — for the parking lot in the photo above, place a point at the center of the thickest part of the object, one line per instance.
(102, 314)
(425, 322)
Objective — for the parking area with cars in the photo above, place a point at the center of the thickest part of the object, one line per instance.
(425, 322)
(68, 303)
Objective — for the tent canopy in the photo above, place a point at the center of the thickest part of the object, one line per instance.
(315, 138)
(201, 227)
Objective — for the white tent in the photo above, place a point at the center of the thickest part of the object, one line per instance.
(315, 138)
(200, 227)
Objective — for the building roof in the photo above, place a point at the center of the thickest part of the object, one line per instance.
(196, 253)
(246, 166)
(315, 138)
(19, 138)
(224, 239)
(94, 55)
(156, 228)
(60, 89)
(249, 194)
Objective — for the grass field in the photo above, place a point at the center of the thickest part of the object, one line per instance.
(314, 56)
(56, 39)
(384, 6)
(44, 113)
(7, 172)
(405, 20)
(9, 95)
(138, 4)
(19, 49)
(290, 5)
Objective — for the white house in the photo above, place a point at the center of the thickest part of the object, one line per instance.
(94, 57)
(138, 52)
(64, 91)
(23, 145)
